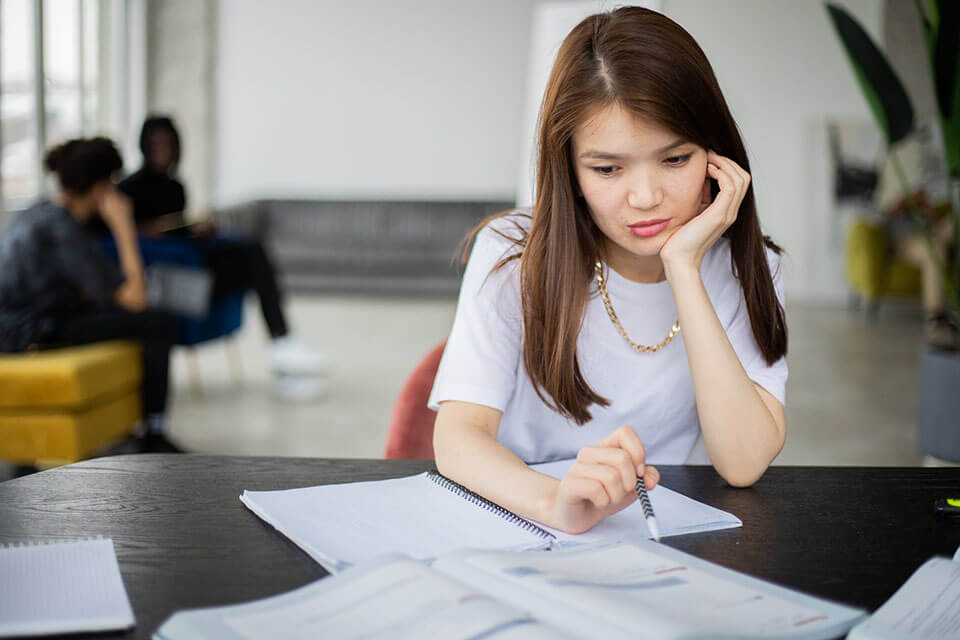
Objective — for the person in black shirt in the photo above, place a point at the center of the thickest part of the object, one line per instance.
(58, 288)
(237, 265)
(155, 193)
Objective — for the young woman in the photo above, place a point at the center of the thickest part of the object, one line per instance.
(634, 314)
(58, 288)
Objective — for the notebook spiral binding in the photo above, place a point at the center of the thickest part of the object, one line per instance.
(483, 503)
(644, 499)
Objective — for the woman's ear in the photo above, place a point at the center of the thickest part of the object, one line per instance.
(705, 196)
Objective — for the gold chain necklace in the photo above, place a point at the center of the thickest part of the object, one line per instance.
(639, 348)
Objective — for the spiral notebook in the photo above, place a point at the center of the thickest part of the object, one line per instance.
(427, 515)
(61, 587)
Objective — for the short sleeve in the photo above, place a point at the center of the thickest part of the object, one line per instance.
(773, 377)
(480, 361)
(83, 263)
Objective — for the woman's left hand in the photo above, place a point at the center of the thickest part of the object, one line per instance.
(691, 241)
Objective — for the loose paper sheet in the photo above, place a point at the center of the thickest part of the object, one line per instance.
(62, 587)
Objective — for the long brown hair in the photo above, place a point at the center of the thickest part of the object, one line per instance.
(652, 67)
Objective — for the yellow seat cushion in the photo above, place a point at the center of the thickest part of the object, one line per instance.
(69, 378)
(871, 271)
(62, 437)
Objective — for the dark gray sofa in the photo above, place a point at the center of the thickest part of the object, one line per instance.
(381, 247)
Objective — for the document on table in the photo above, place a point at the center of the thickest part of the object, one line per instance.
(646, 590)
(616, 592)
(926, 606)
(393, 597)
(62, 587)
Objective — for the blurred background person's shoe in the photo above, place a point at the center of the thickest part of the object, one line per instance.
(299, 387)
(158, 443)
(291, 356)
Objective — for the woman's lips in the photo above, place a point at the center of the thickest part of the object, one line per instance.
(648, 228)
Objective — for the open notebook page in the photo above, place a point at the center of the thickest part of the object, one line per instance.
(344, 524)
(349, 523)
(676, 515)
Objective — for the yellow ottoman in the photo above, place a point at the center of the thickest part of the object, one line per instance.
(871, 272)
(61, 405)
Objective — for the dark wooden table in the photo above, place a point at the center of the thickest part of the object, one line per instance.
(184, 540)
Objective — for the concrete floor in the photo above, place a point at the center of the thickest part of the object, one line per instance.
(851, 394)
(373, 345)
(853, 386)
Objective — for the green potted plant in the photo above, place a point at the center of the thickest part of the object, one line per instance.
(939, 419)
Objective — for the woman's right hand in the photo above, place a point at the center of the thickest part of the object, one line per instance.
(116, 209)
(602, 481)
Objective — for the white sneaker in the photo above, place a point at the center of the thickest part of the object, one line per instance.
(292, 387)
(291, 356)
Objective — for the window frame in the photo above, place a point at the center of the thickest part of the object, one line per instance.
(121, 30)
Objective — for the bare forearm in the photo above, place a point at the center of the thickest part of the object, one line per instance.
(474, 458)
(131, 263)
(741, 434)
(132, 294)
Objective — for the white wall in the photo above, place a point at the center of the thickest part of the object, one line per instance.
(550, 24)
(425, 98)
(181, 85)
(370, 99)
(783, 71)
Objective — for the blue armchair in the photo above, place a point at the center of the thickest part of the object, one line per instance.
(226, 314)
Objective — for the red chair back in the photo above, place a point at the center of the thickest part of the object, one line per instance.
(410, 436)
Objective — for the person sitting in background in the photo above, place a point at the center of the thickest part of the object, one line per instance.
(58, 288)
(159, 202)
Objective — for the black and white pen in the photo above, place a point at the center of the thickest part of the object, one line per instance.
(647, 510)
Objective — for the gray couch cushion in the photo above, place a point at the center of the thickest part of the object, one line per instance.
(362, 246)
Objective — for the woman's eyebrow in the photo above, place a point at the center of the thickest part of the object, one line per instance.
(604, 155)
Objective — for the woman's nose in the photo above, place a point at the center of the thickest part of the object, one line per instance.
(644, 192)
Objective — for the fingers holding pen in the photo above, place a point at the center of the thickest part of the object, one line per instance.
(651, 477)
(609, 480)
(617, 459)
(626, 438)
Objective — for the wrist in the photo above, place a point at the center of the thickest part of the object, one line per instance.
(681, 271)
(546, 508)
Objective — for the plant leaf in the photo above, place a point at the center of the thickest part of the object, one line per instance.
(946, 80)
(884, 92)
(929, 20)
(945, 59)
(934, 6)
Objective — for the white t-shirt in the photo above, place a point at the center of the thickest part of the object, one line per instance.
(651, 392)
